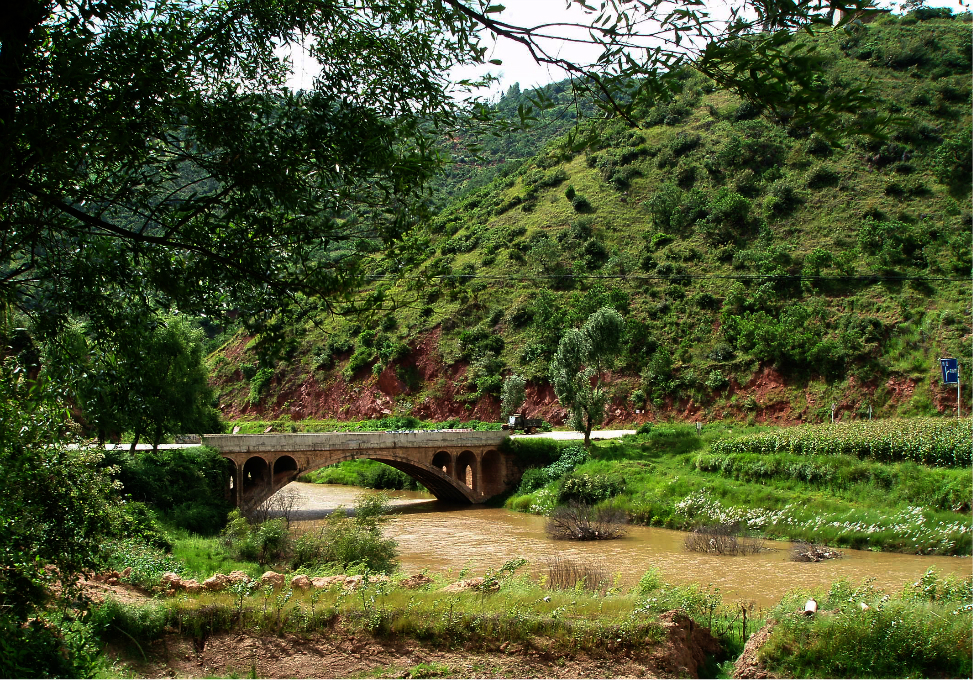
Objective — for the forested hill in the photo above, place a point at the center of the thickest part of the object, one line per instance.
(764, 273)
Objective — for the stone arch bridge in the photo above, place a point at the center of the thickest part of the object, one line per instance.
(457, 466)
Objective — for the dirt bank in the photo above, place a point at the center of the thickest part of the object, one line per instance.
(424, 385)
(334, 654)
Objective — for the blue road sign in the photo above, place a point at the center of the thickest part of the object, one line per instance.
(950, 371)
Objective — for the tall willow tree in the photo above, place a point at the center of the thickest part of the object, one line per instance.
(579, 369)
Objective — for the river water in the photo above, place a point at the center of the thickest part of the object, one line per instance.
(440, 537)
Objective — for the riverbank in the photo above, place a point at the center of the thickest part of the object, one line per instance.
(507, 624)
(757, 479)
(677, 477)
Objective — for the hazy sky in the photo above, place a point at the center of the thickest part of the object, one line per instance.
(518, 67)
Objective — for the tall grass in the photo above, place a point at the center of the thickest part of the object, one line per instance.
(923, 632)
(930, 441)
(519, 611)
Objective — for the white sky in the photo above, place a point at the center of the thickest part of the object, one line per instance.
(519, 67)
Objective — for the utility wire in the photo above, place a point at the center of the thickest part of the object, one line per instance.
(674, 277)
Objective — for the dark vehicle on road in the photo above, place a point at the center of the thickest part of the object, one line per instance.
(518, 422)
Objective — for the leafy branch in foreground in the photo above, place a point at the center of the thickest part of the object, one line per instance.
(153, 157)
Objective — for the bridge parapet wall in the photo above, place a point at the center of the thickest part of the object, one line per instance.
(332, 441)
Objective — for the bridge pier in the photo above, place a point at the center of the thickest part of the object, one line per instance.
(456, 466)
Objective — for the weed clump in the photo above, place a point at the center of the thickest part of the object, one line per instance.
(581, 522)
(722, 539)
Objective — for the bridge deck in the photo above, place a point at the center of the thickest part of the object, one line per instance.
(344, 441)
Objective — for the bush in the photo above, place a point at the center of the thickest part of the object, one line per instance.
(267, 542)
(199, 518)
(589, 489)
(532, 480)
(186, 485)
(822, 176)
(349, 543)
(580, 522)
(581, 204)
(781, 198)
(893, 637)
(258, 384)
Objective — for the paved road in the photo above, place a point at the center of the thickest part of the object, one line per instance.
(560, 435)
(564, 435)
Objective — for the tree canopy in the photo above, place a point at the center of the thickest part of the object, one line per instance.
(578, 369)
(151, 155)
(150, 380)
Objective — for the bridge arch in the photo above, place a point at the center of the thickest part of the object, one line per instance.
(466, 471)
(283, 467)
(256, 475)
(444, 461)
(439, 483)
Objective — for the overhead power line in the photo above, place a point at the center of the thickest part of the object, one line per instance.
(677, 277)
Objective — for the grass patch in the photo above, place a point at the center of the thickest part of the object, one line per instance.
(675, 478)
(923, 632)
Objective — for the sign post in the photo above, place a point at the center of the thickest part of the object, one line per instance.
(950, 369)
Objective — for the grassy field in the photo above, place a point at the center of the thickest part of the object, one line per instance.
(670, 476)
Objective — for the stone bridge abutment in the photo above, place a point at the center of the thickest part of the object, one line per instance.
(455, 466)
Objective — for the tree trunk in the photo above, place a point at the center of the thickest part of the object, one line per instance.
(135, 440)
(157, 439)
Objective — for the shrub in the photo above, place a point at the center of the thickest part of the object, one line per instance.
(953, 160)
(580, 522)
(729, 217)
(532, 480)
(349, 543)
(258, 384)
(781, 198)
(589, 489)
(893, 637)
(822, 176)
(187, 485)
(266, 543)
(581, 204)
(721, 539)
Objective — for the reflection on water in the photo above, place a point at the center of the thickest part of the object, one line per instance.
(440, 537)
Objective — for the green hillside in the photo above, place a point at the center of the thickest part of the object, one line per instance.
(764, 272)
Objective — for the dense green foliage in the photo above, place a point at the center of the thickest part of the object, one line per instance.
(923, 632)
(187, 486)
(731, 241)
(670, 476)
(389, 424)
(55, 508)
(930, 441)
(149, 379)
(343, 543)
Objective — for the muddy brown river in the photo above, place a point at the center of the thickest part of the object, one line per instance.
(439, 537)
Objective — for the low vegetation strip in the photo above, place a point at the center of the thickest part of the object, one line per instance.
(931, 441)
(672, 476)
(862, 632)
